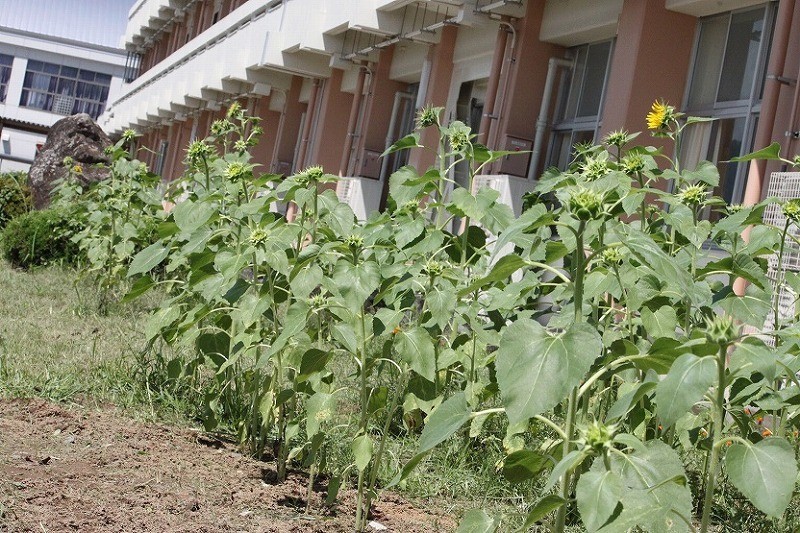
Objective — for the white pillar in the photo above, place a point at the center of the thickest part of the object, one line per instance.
(18, 68)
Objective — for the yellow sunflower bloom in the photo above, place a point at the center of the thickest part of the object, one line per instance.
(659, 115)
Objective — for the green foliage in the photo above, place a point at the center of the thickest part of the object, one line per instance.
(40, 238)
(15, 196)
(593, 344)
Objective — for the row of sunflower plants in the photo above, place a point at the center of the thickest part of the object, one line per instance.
(609, 345)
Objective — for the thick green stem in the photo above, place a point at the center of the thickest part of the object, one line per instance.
(572, 402)
(716, 432)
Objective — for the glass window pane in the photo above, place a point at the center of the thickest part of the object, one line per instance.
(708, 62)
(727, 143)
(87, 75)
(51, 68)
(575, 84)
(102, 78)
(741, 56)
(66, 86)
(69, 72)
(593, 79)
(6, 60)
(35, 65)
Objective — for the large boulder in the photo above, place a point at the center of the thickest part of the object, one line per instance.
(78, 137)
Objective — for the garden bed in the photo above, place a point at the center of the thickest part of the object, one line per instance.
(80, 469)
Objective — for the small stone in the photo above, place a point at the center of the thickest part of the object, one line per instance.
(377, 526)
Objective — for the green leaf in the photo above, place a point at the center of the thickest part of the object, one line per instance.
(409, 141)
(666, 268)
(415, 347)
(362, 451)
(752, 355)
(463, 203)
(764, 472)
(655, 495)
(597, 494)
(190, 216)
(320, 408)
(313, 361)
(141, 286)
(770, 153)
(751, 308)
(148, 259)
(444, 422)
(685, 384)
(625, 402)
(536, 369)
(661, 322)
(543, 507)
(356, 282)
(523, 465)
(477, 521)
(507, 265)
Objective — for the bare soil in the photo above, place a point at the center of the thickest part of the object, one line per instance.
(76, 469)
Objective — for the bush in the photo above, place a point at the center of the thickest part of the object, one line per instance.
(15, 196)
(39, 238)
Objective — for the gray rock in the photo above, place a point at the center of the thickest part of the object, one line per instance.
(78, 137)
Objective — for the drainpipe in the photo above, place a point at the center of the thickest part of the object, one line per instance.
(494, 83)
(494, 132)
(353, 121)
(300, 160)
(273, 166)
(365, 116)
(424, 79)
(769, 103)
(544, 111)
(398, 99)
(793, 116)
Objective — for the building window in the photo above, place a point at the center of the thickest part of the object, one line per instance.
(726, 83)
(64, 90)
(580, 100)
(5, 74)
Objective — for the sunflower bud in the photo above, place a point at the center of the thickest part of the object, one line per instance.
(258, 237)
(632, 163)
(585, 204)
(612, 257)
(598, 436)
(236, 171)
(593, 168)
(427, 117)
(693, 195)
(721, 330)
(791, 210)
(618, 138)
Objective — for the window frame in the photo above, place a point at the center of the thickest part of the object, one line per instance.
(5, 76)
(578, 124)
(749, 108)
(76, 86)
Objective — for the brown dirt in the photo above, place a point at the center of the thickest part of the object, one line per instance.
(75, 469)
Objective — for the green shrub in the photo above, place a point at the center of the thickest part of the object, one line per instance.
(15, 196)
(39, 238)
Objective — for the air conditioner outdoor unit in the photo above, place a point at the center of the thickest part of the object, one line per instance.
(511, 189)
(363, 195)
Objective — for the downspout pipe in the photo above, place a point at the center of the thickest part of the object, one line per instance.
(424, 79)
(494, 82)
(352, 121)
(769, 103)
(491, 140)
(273, 166)
(307, 125)
(362, 123)
(398, 99)
(553, 65)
